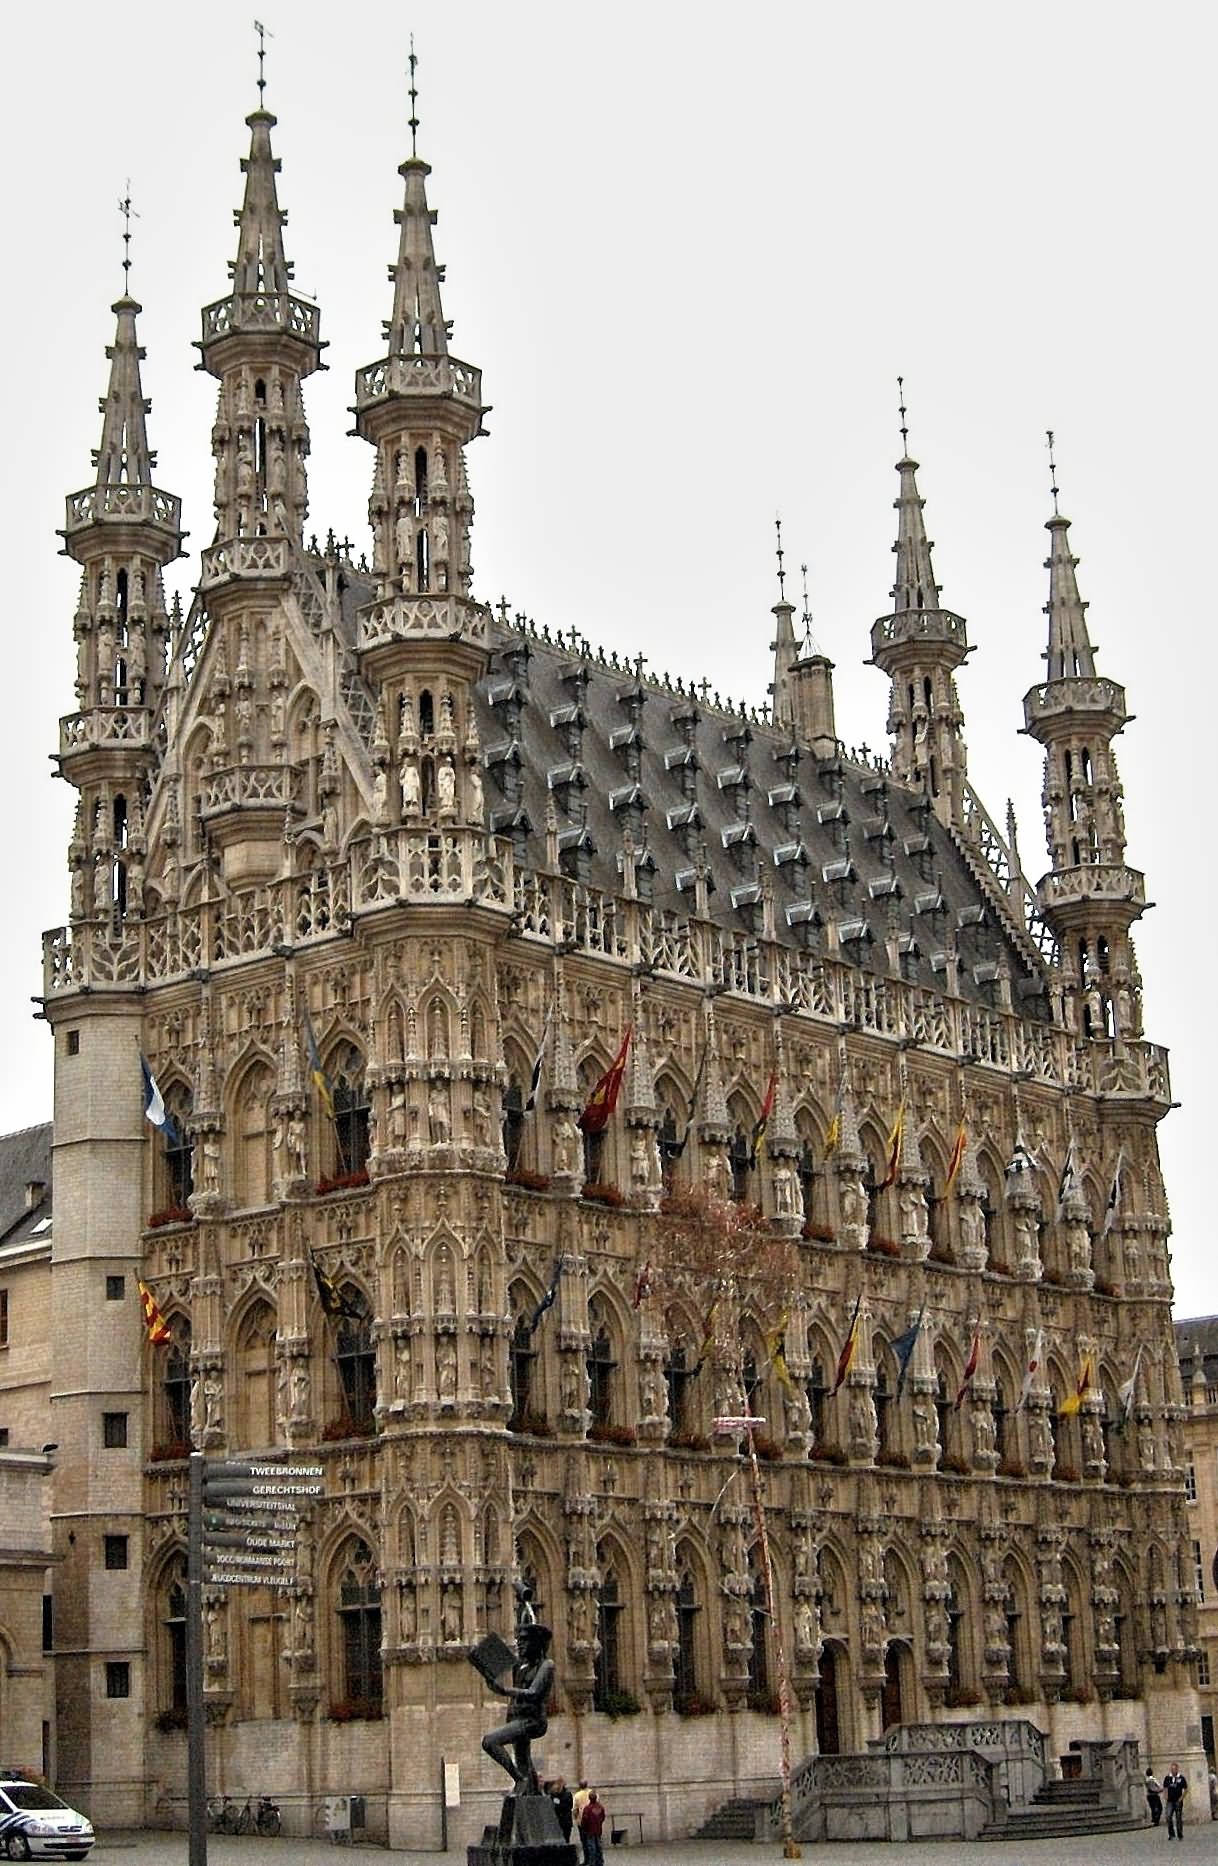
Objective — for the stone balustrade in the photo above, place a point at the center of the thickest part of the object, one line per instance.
(244, 557)
(133, 505)
(419, 375)
(1075, 694)
(102, 726)
(259, 311)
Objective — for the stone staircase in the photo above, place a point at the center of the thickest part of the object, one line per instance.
(738, 1819)
(1059, 1810)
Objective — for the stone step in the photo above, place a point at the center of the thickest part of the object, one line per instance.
(1060, 1824)
(735, 1820)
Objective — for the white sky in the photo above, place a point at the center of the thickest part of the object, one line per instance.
(691, 247)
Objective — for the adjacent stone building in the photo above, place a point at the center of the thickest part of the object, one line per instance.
(341, 795)
(1197, 1345)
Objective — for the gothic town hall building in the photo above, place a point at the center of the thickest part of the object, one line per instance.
(345, 831)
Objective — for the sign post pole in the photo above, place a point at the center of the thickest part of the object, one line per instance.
(196, 1728)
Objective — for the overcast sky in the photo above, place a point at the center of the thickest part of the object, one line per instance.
(691, 247)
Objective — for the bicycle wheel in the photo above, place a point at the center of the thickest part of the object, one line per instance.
(269, 1823)
(245, 1820)
(230, 1814)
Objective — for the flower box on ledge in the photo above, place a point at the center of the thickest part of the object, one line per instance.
(823, 1234)
(533, 1423)
(613, 1435)
(602, 1195)
(344, 1182)
(172, 1215)
(526, 1180)
(827, 1454)
(956, 1464)
(767, 1448)
(338, 1429)
(357, 1710)
(893, 1460)
(688, 1441)
(692, 1704)
(884, 1247)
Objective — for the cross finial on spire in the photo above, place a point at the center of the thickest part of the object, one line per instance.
(414, 103)
(1052, 470)
(782, 594)
(904, 426)
(263, 36)
(126, 210)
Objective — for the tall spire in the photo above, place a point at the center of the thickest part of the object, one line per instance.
(919, 646)
(1090, 897)
(261, 264)
(124, 458)
(417, 326)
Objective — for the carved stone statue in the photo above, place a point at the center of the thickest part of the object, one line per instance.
(566, 1143)
(446, 788)
(412, 793)
(528, 1693)
(439, 1118)
(446, 1367)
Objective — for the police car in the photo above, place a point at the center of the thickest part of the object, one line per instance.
(35, 1824)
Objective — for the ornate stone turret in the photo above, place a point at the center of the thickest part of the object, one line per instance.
(919, 646)
(803, 680)
(1090, 897)
(122, 531)
(260, 342)
(423, 639)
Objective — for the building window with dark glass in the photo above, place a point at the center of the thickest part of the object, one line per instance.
(356, 1356)
(114, 1431)
(115, 1551)
(607, 1682)
(118, 1678)
(522, 1361)
(359, 1618)
(685, 1666)
(601, 1370)
(351, 1114)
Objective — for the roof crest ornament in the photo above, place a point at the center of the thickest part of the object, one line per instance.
(414, 103)
(263, 36)
(1052, 471)
(782, 593)
(126, 210)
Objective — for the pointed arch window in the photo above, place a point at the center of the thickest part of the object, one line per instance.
(740, 1163)
(817, 1392)
(1014, 1625)
(607, 1684)
(175, 1388)
(677, 1376)
(255, 1357)
(670, 1148)
(173, 1626)
(513, 1123)
(685, 1659)
(882, 1400)
(602, 1373)
(751, 1383)
(522, 1364)
(179, 1153)
(1000, 1414)
(359, 1631)
(759, 1657)
(351, 1113)
(946, 1415)
(355, 1353)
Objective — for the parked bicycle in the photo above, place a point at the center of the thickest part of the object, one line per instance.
(263, 1819)
(222, 1814)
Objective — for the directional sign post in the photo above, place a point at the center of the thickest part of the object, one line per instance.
(241, 1532)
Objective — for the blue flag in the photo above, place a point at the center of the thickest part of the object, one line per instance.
(154, 1105)
(903, 1348)
(547, 1301)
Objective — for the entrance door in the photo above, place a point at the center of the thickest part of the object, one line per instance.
(890, 1697)
(828, 1733)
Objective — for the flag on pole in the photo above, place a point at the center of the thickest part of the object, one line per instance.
(674, 1149)
(903, 1348)
(892, 1153)
(957, 1159)
(333, 1302)
(970, 1366)
(763, 1119)
(154, 1321)
(603, 1099)
(1114, 1195)
(708, 1336)
(154, 1105)
(776, 1349)
(1068, 1184)
(325, 1092)
(1073, 1401)
(833, 1134)
(549, 1299)
(1032, 1369)
(1126, 1391)
(845, 1359)
(535, 1079)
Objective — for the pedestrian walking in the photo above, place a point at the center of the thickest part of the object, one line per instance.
(591, 1823)
(1154, 1797)
(563, 1801)
(1213, 1795)
(579, 1801)
(1175, 1787)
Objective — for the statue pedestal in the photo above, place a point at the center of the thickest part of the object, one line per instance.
(528, 1834)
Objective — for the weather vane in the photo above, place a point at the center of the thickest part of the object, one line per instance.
(1052, 470)
(904, 427)
(126, 210)
(782, 594)
(263, 36)
(414, 101)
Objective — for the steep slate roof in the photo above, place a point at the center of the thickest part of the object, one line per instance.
(1199, 1333)
(24, 1157)
(555, 727)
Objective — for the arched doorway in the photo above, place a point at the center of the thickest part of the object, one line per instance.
(828, 1725)
(890, 1697)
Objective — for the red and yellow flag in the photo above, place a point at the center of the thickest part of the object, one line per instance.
(970, 1367)
(603, 1099)
(154, 1321)
(957, 1159)
(845, 1359)
(1074, 1402)
(763, 1119)
(892, 1156)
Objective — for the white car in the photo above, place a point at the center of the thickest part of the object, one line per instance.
(35, 1824)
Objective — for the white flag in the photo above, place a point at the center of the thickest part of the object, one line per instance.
(1033, 1368)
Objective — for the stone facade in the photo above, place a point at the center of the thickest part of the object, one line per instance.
(340, 801)
(1197, 1345)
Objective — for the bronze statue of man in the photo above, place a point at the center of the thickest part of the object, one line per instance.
(529, 1691)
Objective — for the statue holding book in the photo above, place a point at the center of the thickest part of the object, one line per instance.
(527, 1831)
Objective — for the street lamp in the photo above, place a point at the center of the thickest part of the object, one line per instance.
(727, 1427)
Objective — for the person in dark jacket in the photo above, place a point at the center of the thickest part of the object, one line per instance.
(560, 1795)
(591, 1822)
(1175, 1787)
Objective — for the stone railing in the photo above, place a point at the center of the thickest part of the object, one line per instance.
(1092, 881)
(419, 375)
(1015, 1747)
(103, 725)
(919, 625)
(1075, 693)
(244, 557)
(261, 311)
(243, 785)
(903, 1794)
(132, 505)
(437, 618)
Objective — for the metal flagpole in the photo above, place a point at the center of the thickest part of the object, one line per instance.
(196, 1757)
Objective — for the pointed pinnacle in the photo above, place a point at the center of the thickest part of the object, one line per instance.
(124, 457)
